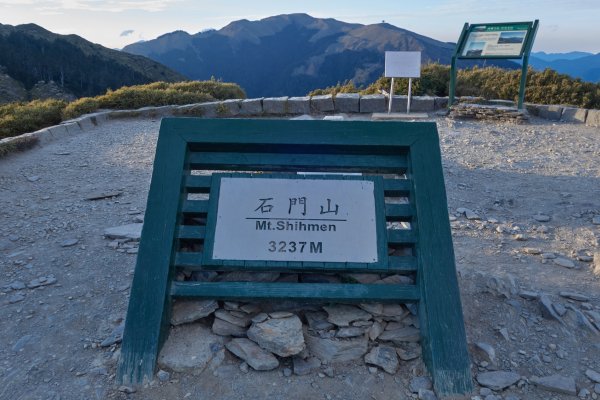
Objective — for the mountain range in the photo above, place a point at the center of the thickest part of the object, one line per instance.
(290, 54)
(577, 64)
(30, 54)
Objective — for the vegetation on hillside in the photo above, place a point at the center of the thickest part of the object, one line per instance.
(18, 118)
(546, 87)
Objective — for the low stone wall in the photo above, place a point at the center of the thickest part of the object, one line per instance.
(349, 103)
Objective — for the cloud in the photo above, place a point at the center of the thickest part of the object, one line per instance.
(127, 32)
(94, 5)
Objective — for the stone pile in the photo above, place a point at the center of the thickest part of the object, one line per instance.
(488, 113)
(307, 338)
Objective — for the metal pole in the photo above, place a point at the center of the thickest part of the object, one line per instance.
(523, 81)
(391, 97)
(409, 95)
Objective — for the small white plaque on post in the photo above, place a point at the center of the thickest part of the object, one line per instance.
(319, 220)
(402, 64)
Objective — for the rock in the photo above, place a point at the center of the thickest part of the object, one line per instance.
(506, 286)
(42, 281)
(16, 298)
(556, 383)
(407, 334)
(395, 312)
(163, 376)
(362, 278)
(372, 103)
(529, 295)
(593, 375)
(347, 102)
(384, 357)
(186, 311)
(129, 231)
(532, 250)
(343, 315)
(425, 394)
(583, 321)
(332, 350)
(419, 382)
(596, 220)
(548, 256)
(471, 215)
(189, 348)
(596, 266)
(497, 380)
(372, 308)
(574, 296)
(224, 328)
(33, 178)
(485, 351)
(242, 320)
(275, 105)
(573, 114)
(564, 262)
(408, 354)
(115, 336)
(22, 342)
(126, 389)
(541, 217)
(559, 308)
(597, 388)
(251, 107)
(375, 330)
(318, 321)
(547, 309)
(299, 105)
(282, 336)
(322, 103)
(251, 353)
(305, 367)
(281, 314)
(17, 285)
(241, 276)
(103, 195)
(348, 332)
(69, 242)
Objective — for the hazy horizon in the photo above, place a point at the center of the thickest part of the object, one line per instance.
(565, 25)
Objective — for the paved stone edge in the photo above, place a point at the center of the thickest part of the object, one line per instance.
(284, 106)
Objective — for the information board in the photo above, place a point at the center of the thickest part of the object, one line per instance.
(495, 40)
(272, 219)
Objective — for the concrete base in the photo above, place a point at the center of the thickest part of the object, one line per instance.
(398, 116)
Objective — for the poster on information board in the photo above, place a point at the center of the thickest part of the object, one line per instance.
(495, 40)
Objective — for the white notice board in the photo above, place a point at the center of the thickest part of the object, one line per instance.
(402, 64)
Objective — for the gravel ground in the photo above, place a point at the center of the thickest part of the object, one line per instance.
(527, 189)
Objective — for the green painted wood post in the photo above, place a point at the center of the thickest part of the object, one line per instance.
(440, 311)
(526, 53)
(148, 314)
(452, 88)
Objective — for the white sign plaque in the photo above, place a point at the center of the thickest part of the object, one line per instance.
(402, 64)
(296, 220)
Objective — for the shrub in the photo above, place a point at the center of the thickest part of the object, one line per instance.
(543, 87)
(17, 118)
(84, 105)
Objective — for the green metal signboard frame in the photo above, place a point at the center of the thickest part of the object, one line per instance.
(515, 33)
(404, 161)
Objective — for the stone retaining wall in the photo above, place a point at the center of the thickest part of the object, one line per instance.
(350, 103)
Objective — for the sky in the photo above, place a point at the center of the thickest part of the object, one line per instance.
(565, 25)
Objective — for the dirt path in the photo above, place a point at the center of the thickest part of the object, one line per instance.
(51, 236)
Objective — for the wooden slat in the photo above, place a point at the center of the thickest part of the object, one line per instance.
(323, 292)
(193, 262)
(397, 187)
(284, 162)
(398, 212)
(198, 183)
(195, 206)
(191, 232)
(401, 236)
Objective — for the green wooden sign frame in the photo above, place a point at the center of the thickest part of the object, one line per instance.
(530, 27)
(404, 158)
